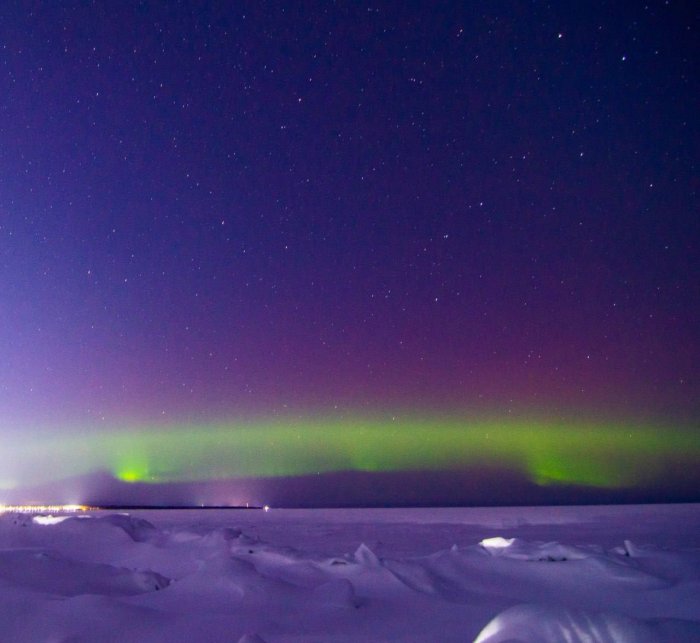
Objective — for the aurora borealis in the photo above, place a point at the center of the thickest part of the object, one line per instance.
(255, 242)
(597, 456)
(546, 453)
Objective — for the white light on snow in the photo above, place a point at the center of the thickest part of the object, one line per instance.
(49, 520)
(497, 542)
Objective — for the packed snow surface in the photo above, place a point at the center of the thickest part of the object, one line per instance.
(618, 574)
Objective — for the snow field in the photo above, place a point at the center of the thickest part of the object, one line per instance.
(520, 574)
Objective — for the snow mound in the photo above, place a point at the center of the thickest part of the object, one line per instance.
(339, 592)
(52, 574)
(517, 549)
(221, 534)
(543, 624)
(138, 529)
(251, 638)
(365, 556)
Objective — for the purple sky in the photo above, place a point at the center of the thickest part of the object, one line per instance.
(210, 210)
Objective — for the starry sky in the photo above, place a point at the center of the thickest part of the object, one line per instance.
(350, 239)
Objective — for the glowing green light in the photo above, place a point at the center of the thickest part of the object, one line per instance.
(131, 475)
(591, 454)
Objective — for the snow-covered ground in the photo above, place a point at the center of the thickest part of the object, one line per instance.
(626, 573)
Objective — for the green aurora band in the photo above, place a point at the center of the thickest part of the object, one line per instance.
(582, 453)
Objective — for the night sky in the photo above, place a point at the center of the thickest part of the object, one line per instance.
(453, 246)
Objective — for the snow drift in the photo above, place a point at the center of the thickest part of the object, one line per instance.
(600, 574)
